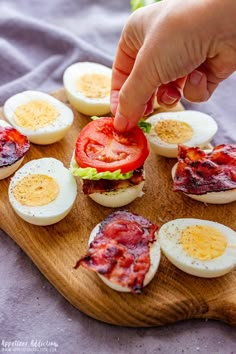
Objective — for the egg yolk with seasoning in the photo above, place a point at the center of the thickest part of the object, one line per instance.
(173, 132)
(35, 114)
(203, 242)
(94, 85)
(36, 190)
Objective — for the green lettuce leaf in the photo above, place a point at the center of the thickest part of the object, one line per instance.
(145, 126)
(95, 117)
(136, 4)
(92, 174)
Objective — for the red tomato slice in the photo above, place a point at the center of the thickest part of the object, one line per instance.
(100, 146)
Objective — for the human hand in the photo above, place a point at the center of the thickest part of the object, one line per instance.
(169, 49)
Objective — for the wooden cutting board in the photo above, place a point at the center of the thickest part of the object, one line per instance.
(171, 296)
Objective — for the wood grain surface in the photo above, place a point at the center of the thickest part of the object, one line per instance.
(171, 296)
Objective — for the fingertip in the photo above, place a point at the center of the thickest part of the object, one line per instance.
(195, 78)
(120, 122)
(149, 106)
(168, 95)
(195, 88)
(169, 100)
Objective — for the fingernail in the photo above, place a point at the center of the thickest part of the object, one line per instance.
(114, 101)
(149, 108)
(120, 122)
(167, 99)
(195, 77)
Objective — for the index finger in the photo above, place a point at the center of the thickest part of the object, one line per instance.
(122, 67)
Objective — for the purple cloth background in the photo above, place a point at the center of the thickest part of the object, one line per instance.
(38, 40)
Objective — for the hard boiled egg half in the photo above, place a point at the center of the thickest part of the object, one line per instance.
(39, 116)
(154, 254)
(88, 87)
(199, 247)
(219, 197)
(13, 147)
(168, 129)
(43, 191)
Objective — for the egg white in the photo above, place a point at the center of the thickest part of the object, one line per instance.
(118, 198)
(169, 235)
(158, 108)
(54, 211)
(44, 135)
(6, 171)
(204, 128)
(155, 256)
(4, 124)
(87, 105)
(221, 197)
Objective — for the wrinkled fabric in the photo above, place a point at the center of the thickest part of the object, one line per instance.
(39, 39)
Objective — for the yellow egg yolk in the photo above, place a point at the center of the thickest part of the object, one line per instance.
(203, 242)
(173, 132)
(94, 85)
(35, 114)
(36, 190)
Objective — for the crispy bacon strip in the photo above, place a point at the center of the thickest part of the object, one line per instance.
(200, 173)
(120, 250)
(105, 185)
(13, 146)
